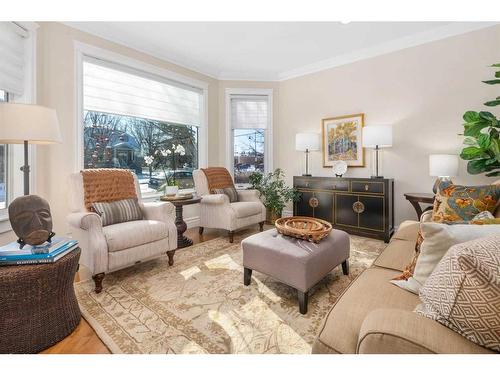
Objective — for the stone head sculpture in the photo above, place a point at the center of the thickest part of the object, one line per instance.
(31, 220)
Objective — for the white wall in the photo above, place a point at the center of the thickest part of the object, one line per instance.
(422, 91)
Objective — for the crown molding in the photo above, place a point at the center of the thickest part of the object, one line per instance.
(388, 47)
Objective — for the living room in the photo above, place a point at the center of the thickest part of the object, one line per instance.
(319, 187)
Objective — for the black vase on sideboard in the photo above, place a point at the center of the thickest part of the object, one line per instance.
(360, 206)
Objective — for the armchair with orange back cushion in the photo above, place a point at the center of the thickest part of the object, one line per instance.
(126, 230)
(224, 207)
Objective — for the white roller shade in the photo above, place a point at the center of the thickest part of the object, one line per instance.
(249, 112)
(12, 38)
(113, 90)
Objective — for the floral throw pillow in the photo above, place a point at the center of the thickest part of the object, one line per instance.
(462, 203)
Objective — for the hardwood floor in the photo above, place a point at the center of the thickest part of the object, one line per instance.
(84, 340)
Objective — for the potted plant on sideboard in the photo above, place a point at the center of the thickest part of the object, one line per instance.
(482, 143)
(274, 192)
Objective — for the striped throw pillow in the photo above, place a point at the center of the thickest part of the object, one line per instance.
(229, 191)
(118, 211)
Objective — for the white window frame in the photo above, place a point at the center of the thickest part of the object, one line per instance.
(83, 50)
(15, 153)
(268, 137)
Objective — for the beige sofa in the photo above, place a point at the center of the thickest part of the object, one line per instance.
(375, 316)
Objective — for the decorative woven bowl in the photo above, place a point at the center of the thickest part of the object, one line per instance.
(304, 228)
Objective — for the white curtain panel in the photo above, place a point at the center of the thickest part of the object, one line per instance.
(115, 89)
(249, 112)
(12, 45)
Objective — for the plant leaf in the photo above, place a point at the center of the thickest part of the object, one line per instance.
(474, 129)
(476, 166)
(493, 174)
(496, 65)
(470, 153)
(497, 74)
(483, 140)
(492, 82)
(471, 116)
(470, 141)
(492, 103)
(487, 116)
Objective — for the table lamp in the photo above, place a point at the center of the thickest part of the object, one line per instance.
(307, 142)
(442, 166)
(28, 123)
(377, 137)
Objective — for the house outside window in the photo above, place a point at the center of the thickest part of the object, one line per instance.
(141, 123)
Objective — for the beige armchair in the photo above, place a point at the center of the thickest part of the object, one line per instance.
(217, 212)
(113, 247)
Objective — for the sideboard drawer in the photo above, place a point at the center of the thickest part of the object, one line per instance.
(321, 184)
(332, 184)
(304, 183)
(373, 187)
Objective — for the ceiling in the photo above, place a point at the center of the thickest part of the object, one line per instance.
(270, 51)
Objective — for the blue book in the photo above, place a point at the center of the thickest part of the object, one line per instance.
(50, 259)
(48, 247)
(61, 248)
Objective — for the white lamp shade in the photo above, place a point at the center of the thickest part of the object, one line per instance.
(377, 135)
(27, 122)
(442, 165)
(307, 141)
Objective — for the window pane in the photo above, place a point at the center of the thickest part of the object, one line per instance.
(154, 150)
(248, 153)
(3, 163)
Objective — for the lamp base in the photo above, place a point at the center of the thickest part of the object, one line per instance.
(376, 176)
(306, 175)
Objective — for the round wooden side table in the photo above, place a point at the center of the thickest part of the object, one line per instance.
(416, 198)
(182, 241)
(38, 305)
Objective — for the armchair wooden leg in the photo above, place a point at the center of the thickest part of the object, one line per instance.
(261, 226)
(231, 236)
(171, 254)
(200, 230)
(303, 299)
(98, 281)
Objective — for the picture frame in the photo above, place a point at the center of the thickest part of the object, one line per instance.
(342, 140)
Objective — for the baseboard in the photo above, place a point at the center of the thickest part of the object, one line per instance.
(192, 222)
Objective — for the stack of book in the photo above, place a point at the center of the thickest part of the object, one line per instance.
(46, 253)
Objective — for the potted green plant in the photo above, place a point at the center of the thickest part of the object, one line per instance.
(481, 131)
(274, 192)
(170, 186)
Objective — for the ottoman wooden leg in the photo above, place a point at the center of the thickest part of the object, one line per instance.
(261, 226)
(345, 267)
(200, 230)
(247, 276)
(303, 299)
(231, 236)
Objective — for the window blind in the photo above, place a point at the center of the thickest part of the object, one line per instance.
(112, 89)
(12, 44)
(249, 112)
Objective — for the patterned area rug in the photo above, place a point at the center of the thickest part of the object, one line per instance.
(200, 304)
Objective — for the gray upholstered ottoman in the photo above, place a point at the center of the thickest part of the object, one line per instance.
(300, 264)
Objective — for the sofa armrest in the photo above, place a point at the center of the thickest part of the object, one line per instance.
(248, 196)
(215, 199)
(85, 221)
(395, 331)
(159, 211)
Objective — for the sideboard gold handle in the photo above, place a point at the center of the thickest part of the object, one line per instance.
(358, 207)
(367, 187)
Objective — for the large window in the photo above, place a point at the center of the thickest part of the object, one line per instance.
(139, 122)
(250, 135)
(3, 163)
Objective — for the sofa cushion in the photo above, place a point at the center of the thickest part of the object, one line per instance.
(118, 211)
(396, 255)
(370, 291)
(245, 209)
(134, 233)
(407, 231)
(463, 292)
(438, 238)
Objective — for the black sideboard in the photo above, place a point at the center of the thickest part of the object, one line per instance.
(361, 206)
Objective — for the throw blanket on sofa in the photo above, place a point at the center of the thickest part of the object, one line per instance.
(217, 178)
(107, 185)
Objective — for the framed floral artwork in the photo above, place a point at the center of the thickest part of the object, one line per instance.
(342, 140)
